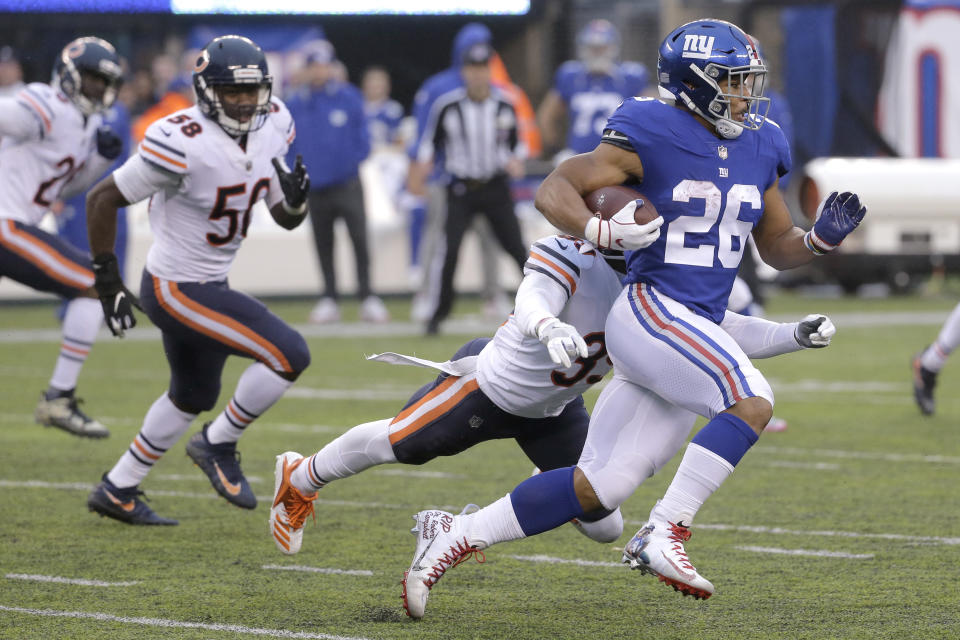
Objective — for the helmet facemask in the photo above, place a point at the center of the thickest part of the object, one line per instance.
(238, 119)
(709, 66)
(88, 57)
(743, 83)
(237, 65)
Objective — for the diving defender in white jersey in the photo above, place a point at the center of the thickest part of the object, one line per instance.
(711, 169)
(526, 383)
(53, 146)
(203, 168)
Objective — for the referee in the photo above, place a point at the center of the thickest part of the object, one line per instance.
(474, 130)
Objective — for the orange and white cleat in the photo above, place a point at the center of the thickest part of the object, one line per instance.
(290, 507)
(657, 549)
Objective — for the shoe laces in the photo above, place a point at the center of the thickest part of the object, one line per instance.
(678, 535)
(456, 554)
(227, 458)
(74, 405)
(298, 507)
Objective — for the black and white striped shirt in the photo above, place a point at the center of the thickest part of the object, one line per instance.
(475, 139)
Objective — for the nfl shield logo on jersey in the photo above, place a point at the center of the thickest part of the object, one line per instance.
(722, 152)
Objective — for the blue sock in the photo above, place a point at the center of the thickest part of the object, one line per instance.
(727, 436)
(545, 501)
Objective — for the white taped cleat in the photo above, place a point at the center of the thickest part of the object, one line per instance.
(657, 549)
(290, 507)
(441, 545)
(64, 413)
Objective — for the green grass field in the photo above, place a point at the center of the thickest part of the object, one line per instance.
(847, 525)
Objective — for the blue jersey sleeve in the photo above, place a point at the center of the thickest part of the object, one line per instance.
(565, 80)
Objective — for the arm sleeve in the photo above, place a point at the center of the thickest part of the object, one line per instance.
(550, 276)
(138, 179)
(360, 126)
(538, 298)
(19, 121)
(95, 167)
(432, 136)
(761, 338)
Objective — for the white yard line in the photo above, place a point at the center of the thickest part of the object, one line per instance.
(297, 567)
(822, 533)
(178, 624)
(808, 552)
(816, 466)
(579, 563)
(86, 486)
(861, 455)
(306, 393)
(418, 474)
(79, 581)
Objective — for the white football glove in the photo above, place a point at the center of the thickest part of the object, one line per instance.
(814, 331)
(621, 232)
(562, 340)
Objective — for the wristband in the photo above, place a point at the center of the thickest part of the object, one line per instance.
(295, 211)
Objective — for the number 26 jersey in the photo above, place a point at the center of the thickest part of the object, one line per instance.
(709, 191)
(201, 217)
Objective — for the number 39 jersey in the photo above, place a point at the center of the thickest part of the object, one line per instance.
(199, 223)
(709, 191)
(515, 370)
(33, 171)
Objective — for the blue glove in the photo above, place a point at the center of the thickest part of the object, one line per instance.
(838, 215)
(109, 144)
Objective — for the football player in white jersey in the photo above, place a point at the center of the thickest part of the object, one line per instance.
(52, 146)
(204, 168)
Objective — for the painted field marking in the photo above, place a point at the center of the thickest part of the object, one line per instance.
(86, 486)
(839, 386)
(307, 393)
(178, 624)
(808, 552)
(179, 477)
(862, 455)
(579, 563)
(418, 474)
(79, 581)
(304, 428)
(822, 533)
(297, 567)
(817, 466)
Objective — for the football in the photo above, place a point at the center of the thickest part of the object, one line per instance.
(608, 200)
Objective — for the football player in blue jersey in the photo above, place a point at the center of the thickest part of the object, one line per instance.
(710, 166)
(587, 90)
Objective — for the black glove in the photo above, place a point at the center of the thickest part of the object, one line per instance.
(116, 299)
(109, 144)
(295, 184)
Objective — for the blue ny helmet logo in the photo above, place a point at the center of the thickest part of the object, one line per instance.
(697, 46)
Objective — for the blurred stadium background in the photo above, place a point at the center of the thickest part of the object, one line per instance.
(864, 79)
(844, 526)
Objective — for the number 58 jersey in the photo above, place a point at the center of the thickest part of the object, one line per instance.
(201, 218)
(709, 191)
(515, 370)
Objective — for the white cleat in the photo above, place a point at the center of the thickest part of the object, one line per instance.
(326, 311)
(657, 549)
(441, 545)
(373, 310)
(290, 507)
(64, 413)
